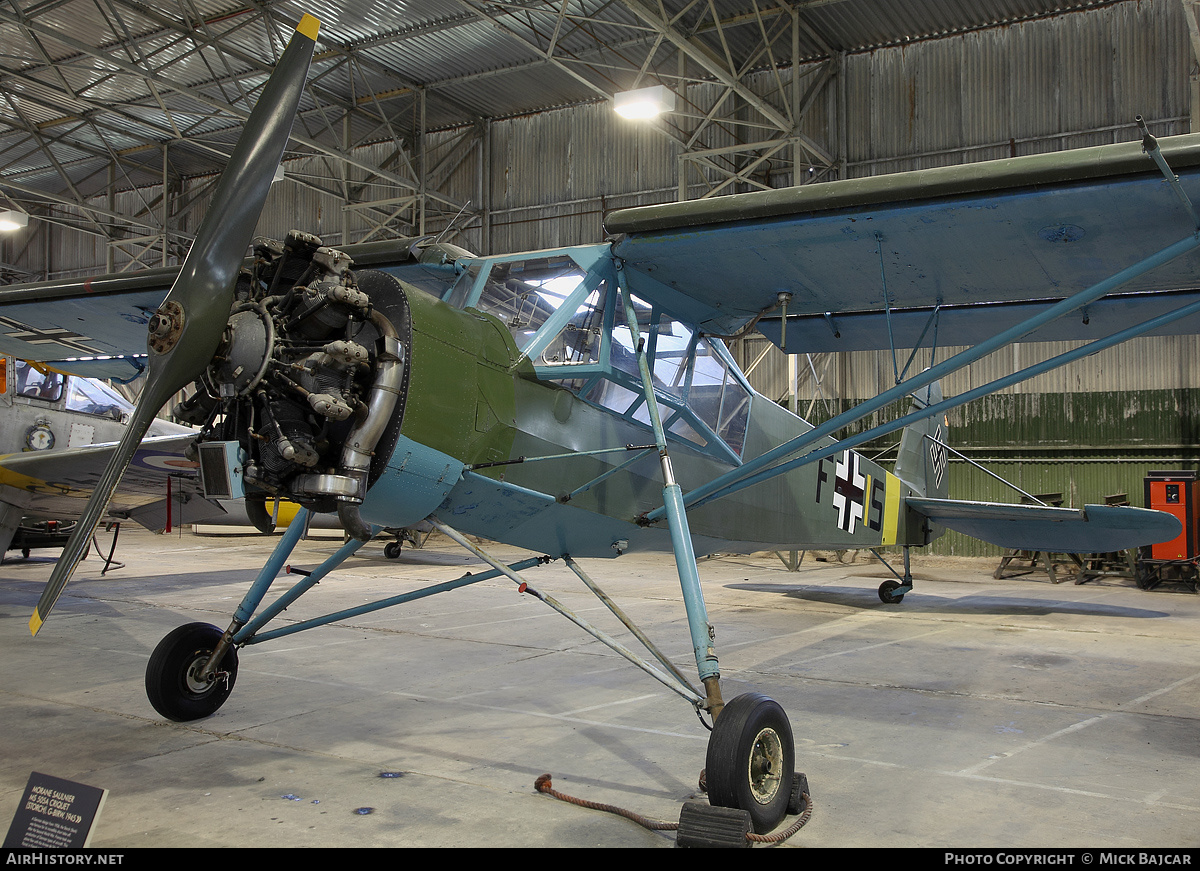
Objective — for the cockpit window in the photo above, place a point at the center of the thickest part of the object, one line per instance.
(570, 322)
(83, 396)
(93, 397)
(525, 293)
(692, 371)
(36, 384)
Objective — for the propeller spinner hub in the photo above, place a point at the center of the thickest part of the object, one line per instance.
(166, 324)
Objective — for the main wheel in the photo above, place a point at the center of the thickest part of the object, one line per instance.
(391, 550)
(887, 594)
(751, 760)
(171, 682)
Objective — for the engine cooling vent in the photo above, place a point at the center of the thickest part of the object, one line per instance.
(221, 470)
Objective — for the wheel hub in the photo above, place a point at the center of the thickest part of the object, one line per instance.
(765, 766)
(192, 679)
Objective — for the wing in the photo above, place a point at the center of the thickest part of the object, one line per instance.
(95, 328)
(160, 486)
(985, 244)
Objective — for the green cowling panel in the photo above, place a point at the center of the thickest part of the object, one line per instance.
(461, 396)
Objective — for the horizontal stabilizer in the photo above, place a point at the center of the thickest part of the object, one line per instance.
(1091, 529)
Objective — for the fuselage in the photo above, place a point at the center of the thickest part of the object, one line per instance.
(549, 410)
(508, 397)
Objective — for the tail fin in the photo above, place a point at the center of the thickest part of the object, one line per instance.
(922, 462)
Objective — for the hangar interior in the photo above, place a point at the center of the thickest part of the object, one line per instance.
(491, 125)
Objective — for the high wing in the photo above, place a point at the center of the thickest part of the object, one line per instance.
(865, 262)
(1071, 245)
(984, 244)
(92, 328)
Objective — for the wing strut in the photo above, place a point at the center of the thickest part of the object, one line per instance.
(670, 679)
(753, 470)
(1150, 146)
(940, 407)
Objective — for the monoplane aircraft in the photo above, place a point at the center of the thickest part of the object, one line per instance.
(579, 402)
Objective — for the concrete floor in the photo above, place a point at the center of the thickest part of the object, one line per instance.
(978, 713)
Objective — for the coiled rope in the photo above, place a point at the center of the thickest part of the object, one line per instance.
(544, 785)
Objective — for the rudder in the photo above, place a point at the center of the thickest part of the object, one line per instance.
(922, 463)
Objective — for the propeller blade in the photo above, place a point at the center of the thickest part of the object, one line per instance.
(185, 331)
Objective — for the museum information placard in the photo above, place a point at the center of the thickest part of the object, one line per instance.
(55, 814)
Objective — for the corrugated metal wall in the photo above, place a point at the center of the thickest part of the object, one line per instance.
(1068, 81)
(583, 161)
(1062, 82)
(1065, 82)
(1161, 362)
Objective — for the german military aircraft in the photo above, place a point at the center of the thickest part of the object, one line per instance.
(579, 402)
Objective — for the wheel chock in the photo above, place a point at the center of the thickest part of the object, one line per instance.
(797, 803)
(703, 825)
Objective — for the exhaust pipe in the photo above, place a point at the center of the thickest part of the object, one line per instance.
(381, 405)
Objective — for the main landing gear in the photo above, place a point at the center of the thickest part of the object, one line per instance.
(750, 779)
(175, 683)
(750, 763)
(751, 760)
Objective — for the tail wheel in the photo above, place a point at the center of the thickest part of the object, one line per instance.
(172, 682)
(751, 760)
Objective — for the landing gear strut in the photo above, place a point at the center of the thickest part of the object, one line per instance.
(892, 592)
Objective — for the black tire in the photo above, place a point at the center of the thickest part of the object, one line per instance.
(391, 550)
(169, 686)
(887, 593)
(751, 760)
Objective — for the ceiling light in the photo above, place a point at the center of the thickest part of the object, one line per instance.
(644, 102)
(13, 220)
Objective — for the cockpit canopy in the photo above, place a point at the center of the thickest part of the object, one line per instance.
(566, 312)
(83, 395)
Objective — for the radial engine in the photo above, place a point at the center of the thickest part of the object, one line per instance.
(308, 379)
